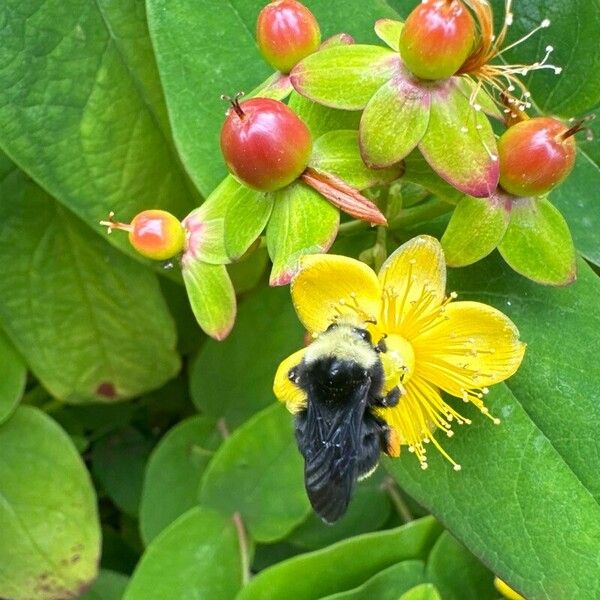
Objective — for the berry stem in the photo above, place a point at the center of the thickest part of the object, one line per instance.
(576, 128)
(112, 224)
(235, 103)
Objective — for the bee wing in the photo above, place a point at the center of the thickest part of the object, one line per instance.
(330, 448)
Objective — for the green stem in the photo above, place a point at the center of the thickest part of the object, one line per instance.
(244, 547)
(430, 209)
(408, 217)
(393, 491)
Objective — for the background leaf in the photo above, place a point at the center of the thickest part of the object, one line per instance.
(110, 585)
(197, 556)
(50, 541)
(262, 481)
(12, 381)
(456, 573)
(81, 108)
(90, 322)
(388, 584)
(118, 462)
(336, 568)
(173, 473)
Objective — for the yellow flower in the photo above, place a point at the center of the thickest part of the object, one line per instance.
(432, 343)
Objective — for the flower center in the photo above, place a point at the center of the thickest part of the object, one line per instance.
(401, 358)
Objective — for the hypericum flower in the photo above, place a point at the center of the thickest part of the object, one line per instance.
(433, 344)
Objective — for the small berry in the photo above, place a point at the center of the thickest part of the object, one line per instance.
(286, 32)
(155, 234)
(536, 155)
(265, 144)
(437, 38)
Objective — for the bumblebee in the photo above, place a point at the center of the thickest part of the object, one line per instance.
(338, 433)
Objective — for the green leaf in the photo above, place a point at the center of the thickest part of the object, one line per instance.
(337, 152)
(573, 32)
(91, 323)
(537, 461)
(303, 222)
(459, 143)
(336, 568)
(457, 574)
(267, 318)
(475, 229)
(248, 212)
(197, 556)
(262, 481)
(211, 295)
(344, 76)
(368, 511)
(538, 243)
(14, 376)
(110, 585)
(173, 473)
(118, 462)
(322, 119)
(576, 199)
(81, 109)
(425, 591)
(388, 31)
(385, 136)
(278, 87)
(417, 170)
(196, 69)
(388, 584)
(50, 543)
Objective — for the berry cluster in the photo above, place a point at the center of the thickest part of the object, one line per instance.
(428, 96)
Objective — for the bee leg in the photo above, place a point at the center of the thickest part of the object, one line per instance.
(390, 443)
(390, 399)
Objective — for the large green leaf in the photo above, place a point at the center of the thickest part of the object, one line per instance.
(262, 481)
(389, 584)
(195, 557)
(230, 379)
(50, 542)
(173, 473)
(205, 49)
(337, 568)
(517, 479)
(90, 322)
(81, 108)
(12, 381)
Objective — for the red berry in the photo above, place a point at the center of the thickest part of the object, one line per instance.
(265, 144)
(286, 32)
(535, 156)
(437, 38)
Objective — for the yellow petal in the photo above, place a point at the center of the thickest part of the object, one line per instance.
(330, 286)
(471, 346)
(506, 591)
(284, 389)
(419, 414)
(414, 283)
